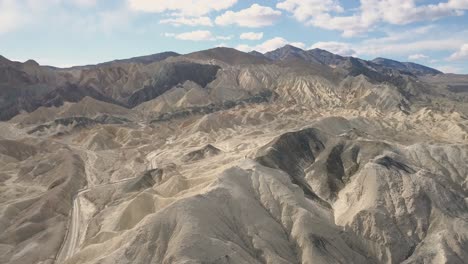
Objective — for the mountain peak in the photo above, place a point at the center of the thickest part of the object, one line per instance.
(31, 63)
(285, 52)
(287, 48)
(228, 55)
(148, 59)
(381, 60)
(291, 47)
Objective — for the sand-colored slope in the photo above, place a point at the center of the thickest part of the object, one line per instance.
(87, 107)
(275, 182)
(188, 94)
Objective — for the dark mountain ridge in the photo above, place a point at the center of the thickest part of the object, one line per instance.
(327, 58)
(130, 82)
(415, 68)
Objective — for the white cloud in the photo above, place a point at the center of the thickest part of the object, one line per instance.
(222, 45)
(111, 20)
(407, 11)
(349, 25)
(224, 37)
(276, 43)
(340, 48)
(414, 44)
(11, 16)
(197, 35)
(458, 4)
(414, 41)
(85, 3)
(449, 69)
(395, 36)
(252, 35)
(15, 14)
(404, 48)
(318, 13)
(107, 22)
(417, 56)
(303, 10)
(244, 48)
(181, 7)
(370, 13)
(254, 16)
(461, 54)
(298, 44)
(192, 21)
(270, 45)
(44, 5)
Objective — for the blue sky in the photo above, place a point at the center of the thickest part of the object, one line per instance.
(76, 32)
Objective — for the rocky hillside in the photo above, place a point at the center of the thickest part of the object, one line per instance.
(225, 74)
(220, 156)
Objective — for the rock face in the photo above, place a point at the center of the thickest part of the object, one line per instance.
(205, 152)
(169, 76)
(414, 68)
(221, 156)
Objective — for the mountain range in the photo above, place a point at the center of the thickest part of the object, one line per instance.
(131, 82)
(222, 156)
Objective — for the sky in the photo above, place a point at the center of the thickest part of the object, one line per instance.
(64, 33)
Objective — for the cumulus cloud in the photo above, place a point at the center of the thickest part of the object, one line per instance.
(414, 44)
(254, 16)
(420, 40)
(191, 21)
(223, 37)
(85, 3)
(461, 54)
(244, 48)
(402, 48)
(112, 20)
(407, 11)
(252, 36)
(405, 35)
(449, 69)
(323, 14)
(15, 14)
(197, 35)
(349, 25)
(182, 12)
(340, 48)
(10, 16)
(270, 45)
(303, 10)
(181, 7)
(417, 56)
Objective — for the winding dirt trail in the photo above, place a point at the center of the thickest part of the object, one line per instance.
(72, 237)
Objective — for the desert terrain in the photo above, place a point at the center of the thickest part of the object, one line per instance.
(221, 156)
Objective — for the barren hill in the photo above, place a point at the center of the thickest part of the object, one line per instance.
(221, 156)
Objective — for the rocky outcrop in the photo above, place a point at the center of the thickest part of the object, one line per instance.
(203, 153)
(170, 75)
